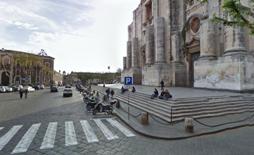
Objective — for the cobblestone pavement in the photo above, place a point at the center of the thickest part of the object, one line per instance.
(67, 119)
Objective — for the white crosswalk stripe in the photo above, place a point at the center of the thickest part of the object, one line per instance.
(27, 139)
(107, 133)
(8, 136)
(124, 130)
(90, 135)
(49, 138)
(70, 135)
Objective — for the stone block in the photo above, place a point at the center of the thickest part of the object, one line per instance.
(188, 124)
(144, 119)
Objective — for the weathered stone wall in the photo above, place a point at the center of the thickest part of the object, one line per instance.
(234, 72)
(152, 75)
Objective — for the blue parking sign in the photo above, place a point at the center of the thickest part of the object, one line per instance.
(128, 80)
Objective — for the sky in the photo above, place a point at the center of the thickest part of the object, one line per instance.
(82, 35)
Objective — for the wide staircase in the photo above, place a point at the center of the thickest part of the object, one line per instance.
(176, 110)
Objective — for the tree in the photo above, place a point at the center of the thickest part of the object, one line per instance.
(240, 14)
(119, 70)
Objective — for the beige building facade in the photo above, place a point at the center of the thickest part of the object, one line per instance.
(176, 41)
(17, 67)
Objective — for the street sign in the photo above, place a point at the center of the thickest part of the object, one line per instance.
(128, 80)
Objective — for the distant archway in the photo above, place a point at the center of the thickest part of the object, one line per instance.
(5, 78)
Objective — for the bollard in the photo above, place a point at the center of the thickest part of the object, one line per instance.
(189, 127)
(144, 118)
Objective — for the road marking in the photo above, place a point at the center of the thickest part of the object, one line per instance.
(70, 135)
(1, 128)
(49, 138)
(8, 136)
(107, 133)
(90, 135)
(123, 129)
(27, 139)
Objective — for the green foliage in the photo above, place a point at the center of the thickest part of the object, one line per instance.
(102, 77)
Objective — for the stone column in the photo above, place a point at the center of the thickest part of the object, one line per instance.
(155, 6)
(160, 40)
(134, 53)
(124, 63)
(150, 45)
(129, 57)
(208, 40)
(234, 40)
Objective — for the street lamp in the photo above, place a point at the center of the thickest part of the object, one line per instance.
(109, 69)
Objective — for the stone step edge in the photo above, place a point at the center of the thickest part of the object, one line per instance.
(141, 130)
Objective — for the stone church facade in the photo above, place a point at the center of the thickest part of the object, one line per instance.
(176, 41)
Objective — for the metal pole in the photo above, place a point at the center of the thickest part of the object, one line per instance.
(128, 105)
(171, 116)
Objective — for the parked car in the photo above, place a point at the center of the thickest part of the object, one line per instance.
(8, 88)
(15, 87)
(68, 86)
(67, 92)
(42, 86)
(36, 87)
(2, 89)
(29, 88)
(53, 89)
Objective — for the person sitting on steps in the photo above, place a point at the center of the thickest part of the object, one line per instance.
(155, 93)
(123, 89)
(133, 89)
(165, 95)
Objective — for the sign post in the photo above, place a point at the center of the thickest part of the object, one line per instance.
(128, 81)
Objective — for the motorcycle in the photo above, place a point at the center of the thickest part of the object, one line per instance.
(106, 106)
(90, 101)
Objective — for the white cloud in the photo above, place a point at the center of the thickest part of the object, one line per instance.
(88, 35)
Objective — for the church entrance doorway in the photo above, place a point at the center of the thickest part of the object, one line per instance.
(192, 58)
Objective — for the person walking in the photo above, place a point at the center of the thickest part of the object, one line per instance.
(20, 93)
(112, 93)
(107, 91)
(26, 92)
(162, 84)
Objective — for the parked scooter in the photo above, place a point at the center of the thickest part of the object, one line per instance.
(106, 106)
(90, 101)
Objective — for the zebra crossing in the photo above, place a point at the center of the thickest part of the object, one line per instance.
(48, 142)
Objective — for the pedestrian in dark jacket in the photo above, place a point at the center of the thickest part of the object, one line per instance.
(112, 92)
(162, 84)
(21, 93)
(155, 93)
(107, 91)
(133, 89)
(26, 92)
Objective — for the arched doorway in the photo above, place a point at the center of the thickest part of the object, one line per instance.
(5, 78)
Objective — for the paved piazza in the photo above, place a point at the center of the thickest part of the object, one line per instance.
(47, 123)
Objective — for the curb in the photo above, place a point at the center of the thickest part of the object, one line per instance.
(141, 132)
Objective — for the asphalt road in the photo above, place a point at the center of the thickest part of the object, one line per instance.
(47, 123)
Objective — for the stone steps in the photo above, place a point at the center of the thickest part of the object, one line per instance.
(195, 107)
(214, 115)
